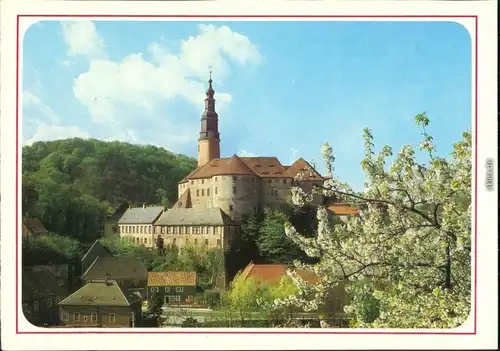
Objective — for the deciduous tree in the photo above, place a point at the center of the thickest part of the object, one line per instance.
(406, 259)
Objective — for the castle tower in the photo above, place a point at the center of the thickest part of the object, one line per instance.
(209, 141)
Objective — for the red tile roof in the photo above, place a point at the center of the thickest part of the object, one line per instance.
(34, 225)
(271, 274)
(171, 278)
(265, 167)
(221, 166)
(342, 209)
(302, 166)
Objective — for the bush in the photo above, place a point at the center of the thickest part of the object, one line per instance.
(212, 297)
(190, 322)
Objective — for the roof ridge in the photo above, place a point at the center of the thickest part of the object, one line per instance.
(91, 265)
(120, 289)
(90, 248)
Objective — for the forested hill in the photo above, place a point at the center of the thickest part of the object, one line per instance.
(72, 185)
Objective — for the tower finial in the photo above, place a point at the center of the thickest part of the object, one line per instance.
(210, 90)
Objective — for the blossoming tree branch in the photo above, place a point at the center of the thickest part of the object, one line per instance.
(405, 260)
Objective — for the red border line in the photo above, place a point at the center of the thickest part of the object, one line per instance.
(208, 17)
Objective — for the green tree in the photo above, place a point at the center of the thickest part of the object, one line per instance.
(273, 242)
(155, 307)
(50, 249)
(243, 296)
(73, 185)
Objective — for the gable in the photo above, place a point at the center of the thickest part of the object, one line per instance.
(96, 250)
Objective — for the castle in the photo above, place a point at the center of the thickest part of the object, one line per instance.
(214, 198)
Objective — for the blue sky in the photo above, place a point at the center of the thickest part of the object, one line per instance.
(282, 88)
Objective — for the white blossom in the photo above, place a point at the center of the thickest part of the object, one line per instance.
(405, 259)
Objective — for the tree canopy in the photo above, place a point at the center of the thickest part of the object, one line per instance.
(208, 263)
(406, 259)
(72, 185)
(50, 249)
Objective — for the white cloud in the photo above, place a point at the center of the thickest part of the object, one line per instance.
(32, 104)
(46, 132)
(43, 123)
(82, 39)
(142, 84)
(244, 153)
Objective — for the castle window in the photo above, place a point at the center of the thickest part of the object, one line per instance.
(216, 230)
(269, 181)
(168, 230)
(149, 230)
(187, 241)
(208, 192)
(142, 229)
(198, 192)
(234, 178)
(215, 178)
(202, 230)
(218, 242)
(284, 181)
(197, 230)
(203, 181)
(206, 242)
(162, 230)
(234, 190)
(216, 190)
(181, 230)
(202, 192)
(174, 230)
(196, 241)
(275, 192)
(174, 240)
(192, 182)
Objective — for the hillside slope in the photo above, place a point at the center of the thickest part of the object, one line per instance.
(73, 184)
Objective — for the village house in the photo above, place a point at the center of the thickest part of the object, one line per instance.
(103, 304)
(272, 274)
(33, 226)
(137, 224)
(111, 223)
(177, 288)
(129, 273)
(43, 286)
